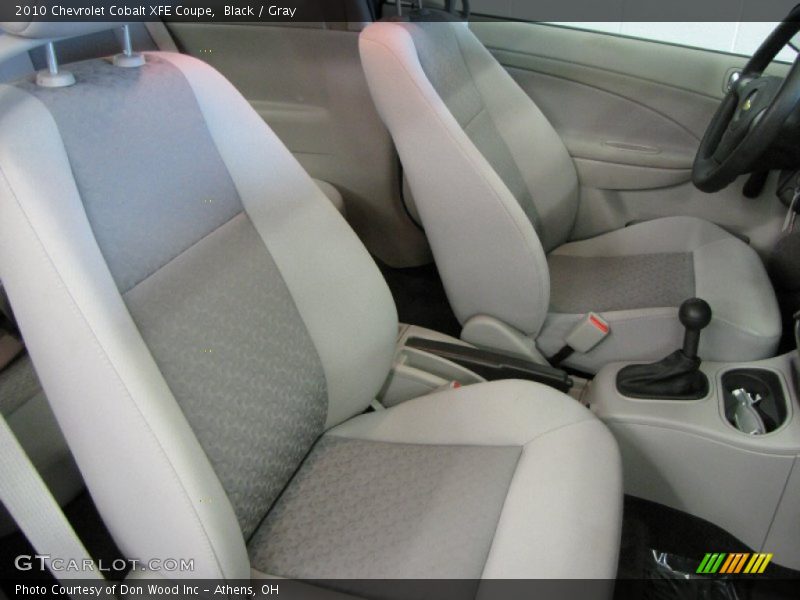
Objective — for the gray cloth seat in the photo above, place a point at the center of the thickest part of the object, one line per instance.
(638, 276)
(498, 196)
(221, 329)
(449, 486)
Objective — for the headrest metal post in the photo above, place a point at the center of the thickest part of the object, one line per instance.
(128, 59)
(399, 5)
(52, 59)
(53, 77)
(127, 45)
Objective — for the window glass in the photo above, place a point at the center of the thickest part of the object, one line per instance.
(742, 38)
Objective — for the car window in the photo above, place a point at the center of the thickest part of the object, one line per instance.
(732, 37)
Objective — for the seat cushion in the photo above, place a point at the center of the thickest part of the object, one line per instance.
(416, 510)
(637, 278)
(501, 480)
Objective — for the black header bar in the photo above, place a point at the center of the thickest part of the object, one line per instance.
(264, 11)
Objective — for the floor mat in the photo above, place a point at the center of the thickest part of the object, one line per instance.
(651, 531)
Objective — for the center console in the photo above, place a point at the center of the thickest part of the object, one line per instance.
(730, 455)
(720, 441)
(426, 361)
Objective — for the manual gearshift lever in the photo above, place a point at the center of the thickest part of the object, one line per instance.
(678, 376)
(694, 315)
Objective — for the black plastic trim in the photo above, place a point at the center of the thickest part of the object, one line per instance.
(493, 366)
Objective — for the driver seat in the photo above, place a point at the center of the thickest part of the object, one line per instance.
(497, 193)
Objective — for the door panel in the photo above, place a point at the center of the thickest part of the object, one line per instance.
(631, 113)
(604, 127)
(306, 81)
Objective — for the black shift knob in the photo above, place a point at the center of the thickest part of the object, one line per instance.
(695, 315)
(678, 376)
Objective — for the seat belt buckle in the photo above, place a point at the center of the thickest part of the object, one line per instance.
(589, 332)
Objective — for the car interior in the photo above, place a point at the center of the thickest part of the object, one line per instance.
(416, 292)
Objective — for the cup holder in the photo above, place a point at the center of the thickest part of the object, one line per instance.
(754, 400)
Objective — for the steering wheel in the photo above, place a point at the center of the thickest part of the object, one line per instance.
(750, 116)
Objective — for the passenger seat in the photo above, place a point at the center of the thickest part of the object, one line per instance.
(221, 332)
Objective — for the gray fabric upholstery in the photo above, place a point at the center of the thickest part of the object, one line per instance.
(336, 286)
(248, 379)
(370, 509)
(579, 284)
(176, 250)
(141, 123)
(443, 61)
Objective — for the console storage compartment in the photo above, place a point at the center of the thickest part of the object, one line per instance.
(694, 457)
(762, 390)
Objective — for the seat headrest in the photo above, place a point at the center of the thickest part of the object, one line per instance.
(48, 30)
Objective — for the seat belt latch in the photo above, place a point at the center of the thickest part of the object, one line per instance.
(589, 332)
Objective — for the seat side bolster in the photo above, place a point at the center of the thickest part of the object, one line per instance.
(664, 235)
(96, 368)
(500, 413)
(746, 322)
(562, 516)
(536, 147)
(480, 236)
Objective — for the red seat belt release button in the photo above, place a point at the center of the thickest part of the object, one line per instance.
(589, 332)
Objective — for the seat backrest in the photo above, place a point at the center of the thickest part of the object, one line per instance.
(491, 178)
(197, 310)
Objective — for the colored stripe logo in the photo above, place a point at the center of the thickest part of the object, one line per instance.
(734, 563)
